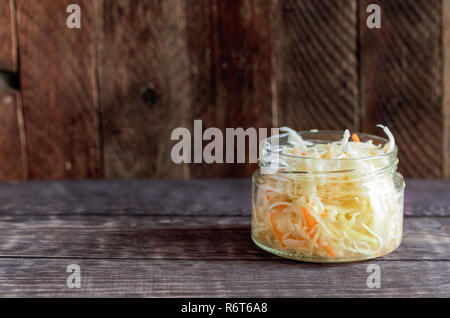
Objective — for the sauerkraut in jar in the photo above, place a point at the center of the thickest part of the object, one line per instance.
(327, 196)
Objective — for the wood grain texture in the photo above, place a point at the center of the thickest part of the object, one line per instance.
(427, 198)
(230, 49)
(196, 242)
(207, 60)
(144, 84)
(8, 43)
(127, 197)
(179, 237)
(167, 278)
(401, 83)
(225, 197)
(58, 90)
(12, 148)
(446, 87)
(317, 80)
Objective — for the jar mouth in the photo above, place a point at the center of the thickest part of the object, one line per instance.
(313, 137)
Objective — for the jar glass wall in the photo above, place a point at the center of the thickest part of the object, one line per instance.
(321, 215)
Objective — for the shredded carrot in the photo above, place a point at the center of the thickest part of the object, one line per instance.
(323, 214)
(346, 153)
(373, 153)
(268, 197)
(326, 248)
(355, 138)
(274, 228)
(303, 154)
(309, 220)
(329, 251)
(293, 151)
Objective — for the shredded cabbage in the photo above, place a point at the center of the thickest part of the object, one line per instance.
(345, 204)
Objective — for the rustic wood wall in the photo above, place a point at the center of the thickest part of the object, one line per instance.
(101, 101)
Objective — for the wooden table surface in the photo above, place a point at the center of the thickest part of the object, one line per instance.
(192, 238)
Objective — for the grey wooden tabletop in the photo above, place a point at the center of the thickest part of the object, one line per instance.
(192, 238)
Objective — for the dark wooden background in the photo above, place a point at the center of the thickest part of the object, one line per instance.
(102, 101)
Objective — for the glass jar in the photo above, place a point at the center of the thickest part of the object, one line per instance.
(327, 210)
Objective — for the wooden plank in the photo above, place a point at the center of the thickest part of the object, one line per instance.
(446, 87)
(58, 90)
(427, 198)
(127, 244)
(138, 197)
(173, 198)
(215, 68)
(208, 238)
(168, 278)
(230, 50)
(8, 45)
(12, 146)
(318, 65)
(144, 84)
(401, 81)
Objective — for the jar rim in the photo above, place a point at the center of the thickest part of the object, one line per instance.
(266, 144)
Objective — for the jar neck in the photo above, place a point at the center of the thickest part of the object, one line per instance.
(274, 163)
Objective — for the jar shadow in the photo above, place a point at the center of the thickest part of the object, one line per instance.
(207, 243)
